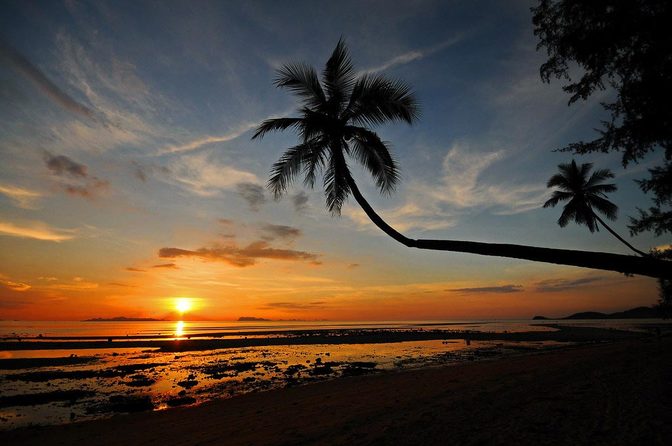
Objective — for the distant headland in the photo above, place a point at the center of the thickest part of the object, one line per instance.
(252, 319)
(634, 313)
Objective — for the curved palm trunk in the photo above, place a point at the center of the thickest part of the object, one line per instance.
(645, 266)
(618, 236)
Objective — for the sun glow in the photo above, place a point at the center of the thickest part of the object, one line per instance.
(183, 304)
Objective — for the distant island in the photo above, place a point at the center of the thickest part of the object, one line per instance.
(122, 319)
(252, 319)
(634, 313)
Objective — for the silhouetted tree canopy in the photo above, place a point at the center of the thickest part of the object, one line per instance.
(625, 45)
(585, 193)
(335, 114)
(334, 124)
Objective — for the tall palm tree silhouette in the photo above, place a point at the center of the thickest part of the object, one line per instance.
(335, 111)
(584, 195)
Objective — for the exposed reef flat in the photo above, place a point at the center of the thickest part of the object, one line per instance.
(560, 333)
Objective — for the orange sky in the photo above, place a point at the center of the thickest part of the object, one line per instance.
(332, 290)
(128, 177)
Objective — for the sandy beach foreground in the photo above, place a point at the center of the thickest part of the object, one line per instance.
(617, 393)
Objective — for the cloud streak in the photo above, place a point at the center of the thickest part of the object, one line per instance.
(253, 194)
(84, 185)
(503, 289)
(23, 198)
(200, 174)
(557, 285)
(240, 257)
(14, 286)
(23, 66)
(204, 141)
(293, 305)
(300, 201)
(272, 232)
(36, 231)
(464, 186)
(413, 55)
(62, 165)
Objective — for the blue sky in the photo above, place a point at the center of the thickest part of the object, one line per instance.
(125, 129)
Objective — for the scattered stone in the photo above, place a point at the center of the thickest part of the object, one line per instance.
(32, 399)
(187, 384)
(181, 401)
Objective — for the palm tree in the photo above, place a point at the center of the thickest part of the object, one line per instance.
(584, 196)
(337, 109)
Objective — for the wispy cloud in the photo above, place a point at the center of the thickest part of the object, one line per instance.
(62, 165)
(37, 231)
(253, 194)
(76, 284)
(203, 175)
(465, 185)
(502, 289)
(12, 285)
(133, 269)
(293, 305)
(272, 232)
(206, 140)
(240, 257)
(556, 285)
(23, 198)
(79, 182)
(300, 201)
(413, 55)
(22, 65)
(166, 265)
(426, 217)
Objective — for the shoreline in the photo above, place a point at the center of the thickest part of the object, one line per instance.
(615, 393)
(561, 333)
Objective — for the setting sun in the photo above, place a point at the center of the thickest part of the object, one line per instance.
(183, 304)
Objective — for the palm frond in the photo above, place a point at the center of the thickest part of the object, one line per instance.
(584, 170)
(314, 124)
(375, 155)
(599, 176)
(338, 77)
(557, 197)
(276, 124)
(376, 100)
(558, 180)
(314, 162)
(604, 206)
(288, 167)
(336, 177)
(302, 80)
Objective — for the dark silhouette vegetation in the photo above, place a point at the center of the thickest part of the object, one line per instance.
(336, 111)
(624, 46)
(584, 194)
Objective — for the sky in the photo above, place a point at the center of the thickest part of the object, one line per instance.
(128, 177)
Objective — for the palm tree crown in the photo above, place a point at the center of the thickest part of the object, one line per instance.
(584, 194)
(335, 113)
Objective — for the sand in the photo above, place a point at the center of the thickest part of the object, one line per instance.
(616, 393)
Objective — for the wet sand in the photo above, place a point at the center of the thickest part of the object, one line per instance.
(615, 393)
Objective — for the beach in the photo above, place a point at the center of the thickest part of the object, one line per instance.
(607, 393)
